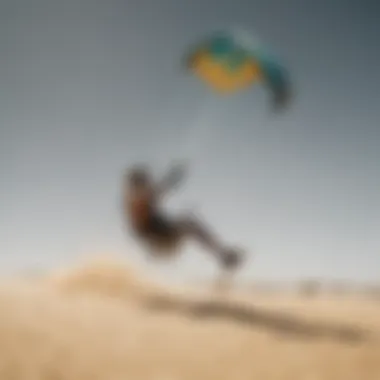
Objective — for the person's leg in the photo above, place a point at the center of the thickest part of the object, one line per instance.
(195, 229)
(191, 227)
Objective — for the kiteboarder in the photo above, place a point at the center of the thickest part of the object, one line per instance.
(142, 197)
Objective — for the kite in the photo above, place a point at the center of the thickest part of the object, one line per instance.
(228, 64)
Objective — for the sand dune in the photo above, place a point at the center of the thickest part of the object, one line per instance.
(103, 320)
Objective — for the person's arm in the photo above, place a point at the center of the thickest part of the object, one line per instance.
(171, 180)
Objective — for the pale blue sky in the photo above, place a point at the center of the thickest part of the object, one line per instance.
(88, 87)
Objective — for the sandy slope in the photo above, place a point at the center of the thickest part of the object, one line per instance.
(103, 321)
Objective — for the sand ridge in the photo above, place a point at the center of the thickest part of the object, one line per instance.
(104, 320)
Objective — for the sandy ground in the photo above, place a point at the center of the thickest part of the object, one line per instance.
(103, 321)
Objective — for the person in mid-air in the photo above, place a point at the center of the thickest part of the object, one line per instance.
(142, 197)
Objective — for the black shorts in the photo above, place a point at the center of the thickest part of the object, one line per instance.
(159, 227)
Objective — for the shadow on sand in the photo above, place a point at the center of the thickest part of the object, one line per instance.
(276, 321)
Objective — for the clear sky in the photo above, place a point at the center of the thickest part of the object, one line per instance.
(89, 87)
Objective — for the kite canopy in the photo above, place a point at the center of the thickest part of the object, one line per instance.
(228, 64)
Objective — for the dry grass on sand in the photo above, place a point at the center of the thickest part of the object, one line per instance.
(102, 321)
